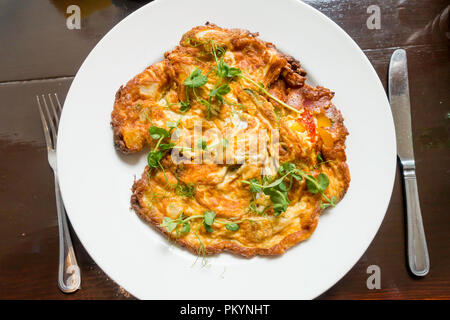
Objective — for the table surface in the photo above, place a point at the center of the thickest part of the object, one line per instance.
(39, 54)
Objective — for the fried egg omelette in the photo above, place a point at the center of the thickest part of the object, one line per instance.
(216, 192)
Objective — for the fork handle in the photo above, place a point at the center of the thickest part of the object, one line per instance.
(69, 275)
(419, 261)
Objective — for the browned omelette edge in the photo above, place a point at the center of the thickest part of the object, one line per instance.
(119, 144)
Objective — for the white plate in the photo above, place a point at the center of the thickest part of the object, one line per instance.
(96, 180)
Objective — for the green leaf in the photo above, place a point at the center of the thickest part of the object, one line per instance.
(323, 181)
(169, 224)
(208, 228)
(282, 187)
(312, 186)
(225, 71)
(166, 146)
(185, 190)
(184, 106)
(220, 91)
(319, 157)
(196, 79)
(297, 177)
(154, 158)
(279, 199)
(332, 203)
(232, 226)
(254, 186)
(157, 132)
(202, 144)
(286, 167)
(275, 183)
(209, 217)
(232, 72)
(219, 49)
(186, 227)
(324, 205)
(267, 179)
(221, 68)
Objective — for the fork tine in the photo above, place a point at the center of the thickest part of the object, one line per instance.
(54, 110)
(59, 104)
(52, 125)
(48, 141)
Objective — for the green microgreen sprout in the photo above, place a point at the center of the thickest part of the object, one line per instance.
(156, 154)
(185, 190)
(182, 226)
(321, 161)
(278, 190)
(195, 80)
(253, 207)
(224, 71)
(262, 89)
(208, 219)
(202, 145)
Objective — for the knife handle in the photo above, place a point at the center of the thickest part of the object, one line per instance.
(419, 261)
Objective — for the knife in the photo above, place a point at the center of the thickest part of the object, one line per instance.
(419, 261)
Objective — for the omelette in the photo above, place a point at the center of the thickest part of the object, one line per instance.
(243, 154)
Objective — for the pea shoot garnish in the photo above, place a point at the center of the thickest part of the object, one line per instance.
(195, 80)
(182, 225)
(185, 190)
(278, 190)
(185, 105)
(319, 157)
(154, 156)
(262, 89)
(321, 161)
(232, 226)
(208, 219)
(225, 73)
(202, 145)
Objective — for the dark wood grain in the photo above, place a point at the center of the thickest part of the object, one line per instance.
(38, 27)
(28, 223)
(40, 45)
(42, 56)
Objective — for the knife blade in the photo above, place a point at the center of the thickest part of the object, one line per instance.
(418, 259)
(400, 104)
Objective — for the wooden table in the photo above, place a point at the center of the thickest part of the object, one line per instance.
(39, 54)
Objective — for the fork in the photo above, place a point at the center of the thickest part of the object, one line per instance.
(69, 275)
